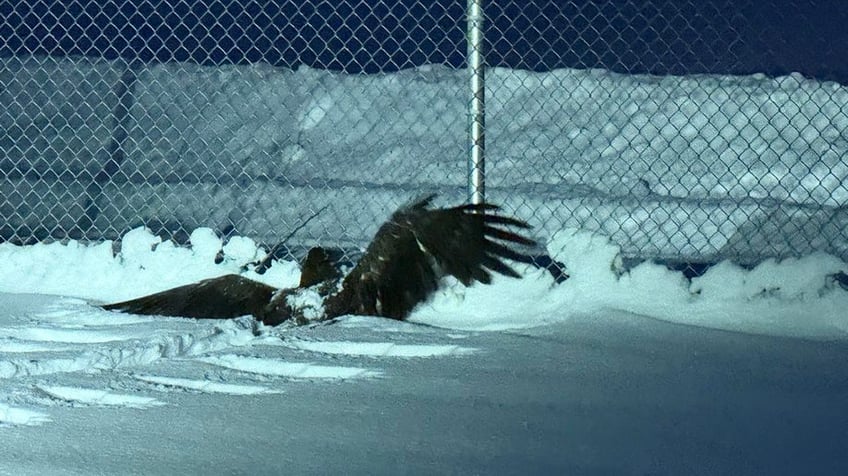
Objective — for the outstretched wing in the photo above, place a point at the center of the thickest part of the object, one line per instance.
(233, 295)
(217, 298)
(418, 246)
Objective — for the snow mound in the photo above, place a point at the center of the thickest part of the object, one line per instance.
(794, 297)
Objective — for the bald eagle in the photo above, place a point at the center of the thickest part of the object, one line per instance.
(401, 267)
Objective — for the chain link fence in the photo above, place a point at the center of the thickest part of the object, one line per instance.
(252, 117)
(661, 130)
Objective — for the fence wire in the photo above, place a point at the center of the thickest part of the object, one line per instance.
(640, 120)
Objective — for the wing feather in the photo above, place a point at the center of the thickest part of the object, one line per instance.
(417, 246)
(505, 235)
(217, 298)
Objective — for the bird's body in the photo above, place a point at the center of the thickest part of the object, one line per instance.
(401, 267)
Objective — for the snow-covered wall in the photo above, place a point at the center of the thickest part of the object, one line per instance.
(683, 168)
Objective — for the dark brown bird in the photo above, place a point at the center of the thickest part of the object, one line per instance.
(401, 267)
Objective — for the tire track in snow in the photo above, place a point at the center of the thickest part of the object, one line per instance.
(206, 386)
(95, 397)
(70, 312)
(381, 349)
(71, 336)
(131, 353)
(14, 346)
(279, 368)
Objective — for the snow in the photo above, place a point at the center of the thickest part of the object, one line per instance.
(205, 385)
(796, 297)
(610, 393)
(98, 397)
(626, 367)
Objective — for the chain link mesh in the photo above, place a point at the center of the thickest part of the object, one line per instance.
(250, 117)
(654, 144)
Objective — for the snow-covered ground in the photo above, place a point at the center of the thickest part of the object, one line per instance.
(87, 392)
(620, 369)
(802, 297)
(609, 372)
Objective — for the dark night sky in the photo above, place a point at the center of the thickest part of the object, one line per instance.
(655, 36)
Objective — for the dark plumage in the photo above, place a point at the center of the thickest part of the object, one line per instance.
(401, 267)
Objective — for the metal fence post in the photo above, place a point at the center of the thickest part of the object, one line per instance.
(477, 114)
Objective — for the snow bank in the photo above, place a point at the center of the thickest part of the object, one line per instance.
(793, 297)
(144, 264)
